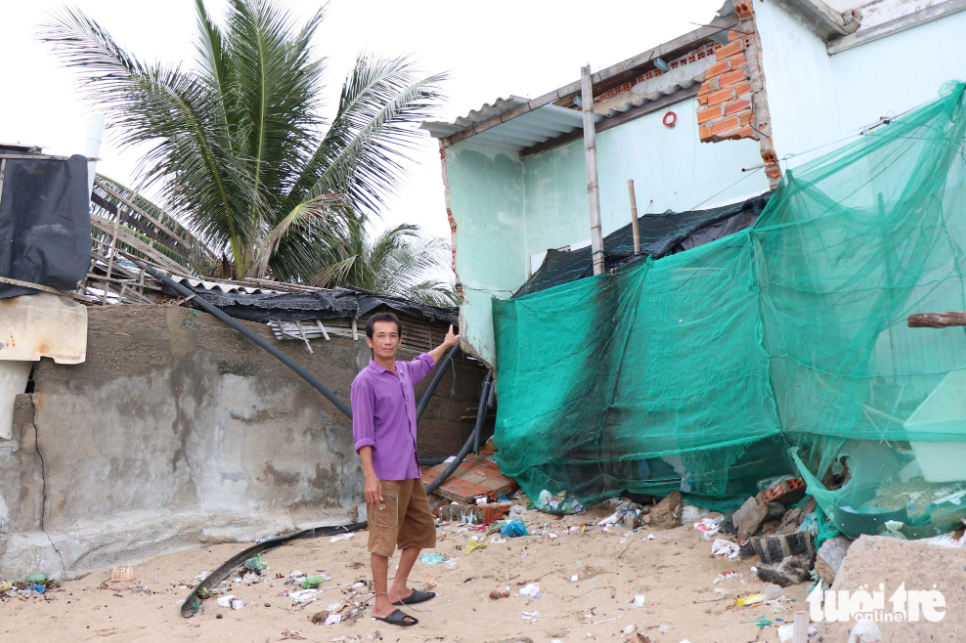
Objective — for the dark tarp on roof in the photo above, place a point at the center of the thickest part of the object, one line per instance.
(661, 234)
(45, 225)
(334, 304)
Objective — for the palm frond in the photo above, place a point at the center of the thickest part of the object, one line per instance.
(361, 154)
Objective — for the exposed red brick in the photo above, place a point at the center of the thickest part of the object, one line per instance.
(721, 96)
(706, 115)
(718, 68)
(773, 173)
(735, 35)
(730, 50)
(737, 106)
(704, 132)
(708, 86)
(724, 126)
(703, 101)
(769, 156)
(738, 61)
(743, 9)
(745, 132)
(732, 77)
(743, 88)
(745, 119)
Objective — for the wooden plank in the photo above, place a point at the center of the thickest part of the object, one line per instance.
(137, 224)
(635, 226)
(163, 228)
(63, 293)
(625, 68)
(590, 162)
(137, 244)
(937, 320)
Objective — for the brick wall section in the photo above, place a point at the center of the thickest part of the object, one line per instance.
(732, 103)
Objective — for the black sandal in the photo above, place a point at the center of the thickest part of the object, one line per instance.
(399, 618)
(418, 596)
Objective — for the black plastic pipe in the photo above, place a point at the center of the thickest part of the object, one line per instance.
(434, 382)
(274, 352)
(459, 457)
(481, 412)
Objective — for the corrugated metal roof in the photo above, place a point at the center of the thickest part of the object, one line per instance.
(538, 126)
(552, 121)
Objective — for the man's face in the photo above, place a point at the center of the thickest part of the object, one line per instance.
(385, 339)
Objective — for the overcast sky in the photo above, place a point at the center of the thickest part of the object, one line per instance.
(527, 48)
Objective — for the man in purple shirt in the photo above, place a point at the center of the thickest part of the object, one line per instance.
(384, 430)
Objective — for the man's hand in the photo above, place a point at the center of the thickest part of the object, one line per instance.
(452, 339)
(373, 490)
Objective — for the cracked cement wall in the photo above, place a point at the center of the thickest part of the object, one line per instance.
(178, 431)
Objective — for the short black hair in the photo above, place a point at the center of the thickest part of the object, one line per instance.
(382, 317)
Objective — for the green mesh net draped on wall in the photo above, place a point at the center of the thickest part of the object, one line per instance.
(781, 348)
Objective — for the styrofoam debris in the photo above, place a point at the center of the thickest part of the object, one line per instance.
(722, 547)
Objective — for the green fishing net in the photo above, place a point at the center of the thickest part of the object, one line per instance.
(782, 348)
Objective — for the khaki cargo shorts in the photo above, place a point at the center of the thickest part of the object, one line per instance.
(403, 520)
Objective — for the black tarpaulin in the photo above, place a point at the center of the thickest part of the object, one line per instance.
(660, 234)
(332, 304)
(45, 227)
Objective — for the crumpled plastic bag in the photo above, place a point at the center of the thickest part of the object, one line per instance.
(721, 547)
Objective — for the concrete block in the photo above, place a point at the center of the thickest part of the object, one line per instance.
(738, 516)
(748, 527)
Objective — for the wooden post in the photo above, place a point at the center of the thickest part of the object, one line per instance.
(800, 628)
(590, 160)
(634, 226)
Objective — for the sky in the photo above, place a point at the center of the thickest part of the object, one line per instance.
(526, 49)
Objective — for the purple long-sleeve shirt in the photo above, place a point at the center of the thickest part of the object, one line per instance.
(384, 416)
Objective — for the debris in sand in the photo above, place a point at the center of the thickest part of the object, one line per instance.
(667, 513)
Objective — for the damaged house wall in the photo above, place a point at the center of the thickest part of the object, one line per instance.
(178, 430)
(505, 210)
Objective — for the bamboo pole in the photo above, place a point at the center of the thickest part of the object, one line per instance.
(635, 228)
(590, 160)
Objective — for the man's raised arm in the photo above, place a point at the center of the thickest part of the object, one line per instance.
(452, 339)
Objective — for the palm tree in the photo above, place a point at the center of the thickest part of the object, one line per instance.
(238, 151)
(396, 262)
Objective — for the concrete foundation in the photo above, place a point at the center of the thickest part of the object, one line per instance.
(178, 431)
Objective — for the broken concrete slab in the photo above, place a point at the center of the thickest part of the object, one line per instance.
(915, 565)
(742, 513)
(830, 557)
(754, 519)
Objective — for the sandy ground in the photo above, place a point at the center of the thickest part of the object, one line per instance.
(675, 571)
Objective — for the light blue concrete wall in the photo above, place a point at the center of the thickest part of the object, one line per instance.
(816, 100)
(669, 166)
(507, 210)
(486, 201)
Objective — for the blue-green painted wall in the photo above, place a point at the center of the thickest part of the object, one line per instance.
(507, 210)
